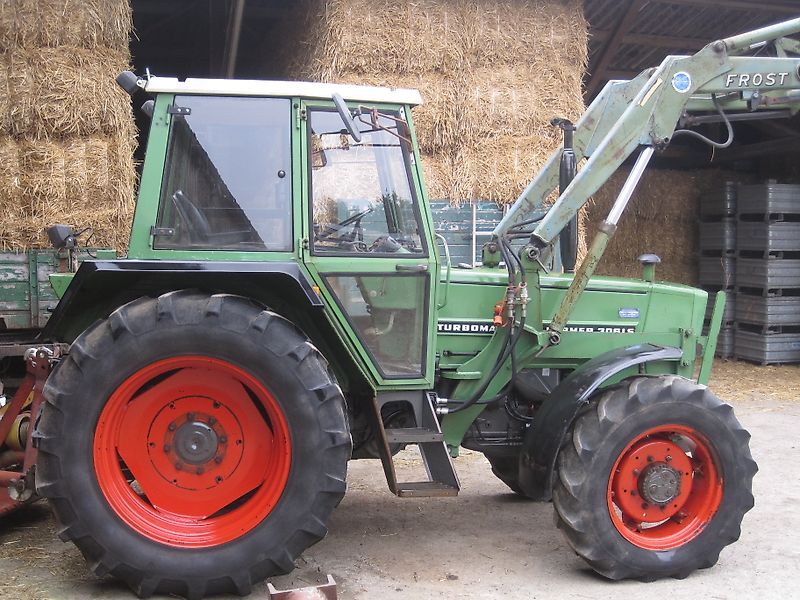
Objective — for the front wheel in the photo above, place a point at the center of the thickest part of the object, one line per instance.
(192, 444)
(654, 480)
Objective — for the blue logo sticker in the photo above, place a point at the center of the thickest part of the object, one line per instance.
(681, 82)
(628, 313)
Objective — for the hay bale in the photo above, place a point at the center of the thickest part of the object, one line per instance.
(492, 74)
(9, 176)
(67, 134)
(62, 92)
(83, 182)
(661, 218)
(5, 97)
(92, 24)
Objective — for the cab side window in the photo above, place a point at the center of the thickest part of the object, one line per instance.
(227, 178)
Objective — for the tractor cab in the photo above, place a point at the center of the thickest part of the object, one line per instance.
(326, 177)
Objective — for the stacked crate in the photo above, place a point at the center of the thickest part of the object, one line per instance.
(768, 273)
(717, 267)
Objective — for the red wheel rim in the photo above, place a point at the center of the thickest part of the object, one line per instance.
(192, 451)
(664, 488)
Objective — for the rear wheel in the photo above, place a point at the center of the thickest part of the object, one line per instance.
(655, 479)
(192, 444)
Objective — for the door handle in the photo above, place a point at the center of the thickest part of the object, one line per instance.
(412, 268)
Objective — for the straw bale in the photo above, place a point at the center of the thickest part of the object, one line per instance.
(5, 95)
(9, 176)
(92, 24)
(661, 218)
(498, 168)
(83, 182)
(436, 36)
(492, 75)
(63, 92)
(19, 73)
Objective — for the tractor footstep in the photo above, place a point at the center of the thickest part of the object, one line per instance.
(325, 591)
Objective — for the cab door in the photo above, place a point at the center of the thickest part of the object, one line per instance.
(367, 241)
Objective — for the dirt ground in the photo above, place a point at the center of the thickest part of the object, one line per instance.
(487, 543)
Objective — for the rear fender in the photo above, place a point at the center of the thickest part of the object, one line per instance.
(553, 420)
(99, 287)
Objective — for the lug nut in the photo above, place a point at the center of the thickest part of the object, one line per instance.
(171, 427)
(211, 420)
(200, 470)
(650, 459)
(216, 404)
(218, 459)
(190, 417)
(167, 447)
(636, 472)
(223, 439)
(178, 466)
(668, 458)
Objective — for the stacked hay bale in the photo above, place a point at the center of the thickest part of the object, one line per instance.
(66, 131)
(492, 74)
(662, 218)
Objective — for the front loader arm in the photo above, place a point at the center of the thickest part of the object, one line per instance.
(710, 80)
(646, 110)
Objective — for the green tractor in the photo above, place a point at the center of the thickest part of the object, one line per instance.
(285, 307)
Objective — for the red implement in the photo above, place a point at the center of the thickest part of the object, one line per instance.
(18, 475)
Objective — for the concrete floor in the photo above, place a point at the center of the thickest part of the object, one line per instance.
(487, 543)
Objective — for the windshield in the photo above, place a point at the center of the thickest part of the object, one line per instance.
(362, 193)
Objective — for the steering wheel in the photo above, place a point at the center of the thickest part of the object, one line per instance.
(385, 244)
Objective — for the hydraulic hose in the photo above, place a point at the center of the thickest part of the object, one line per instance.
(703, 138)
(511, 340)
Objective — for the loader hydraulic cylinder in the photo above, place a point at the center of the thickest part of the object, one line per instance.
(568, 241)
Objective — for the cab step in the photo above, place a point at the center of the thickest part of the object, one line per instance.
(425, 489)
(413, 435)
(427, 436)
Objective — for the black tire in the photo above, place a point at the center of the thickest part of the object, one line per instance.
(601, 440)
(232, 330)
(506, 469)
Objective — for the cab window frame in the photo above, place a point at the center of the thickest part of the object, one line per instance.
(410, 171)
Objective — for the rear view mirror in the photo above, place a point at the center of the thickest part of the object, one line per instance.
(347, 117)
(61, 236)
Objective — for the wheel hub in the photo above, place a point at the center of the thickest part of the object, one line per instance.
(196, 442)
(664, 487)
(660, 484)
(190, 443)
(648, 482)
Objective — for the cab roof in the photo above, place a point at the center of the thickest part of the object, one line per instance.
(285, 89)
